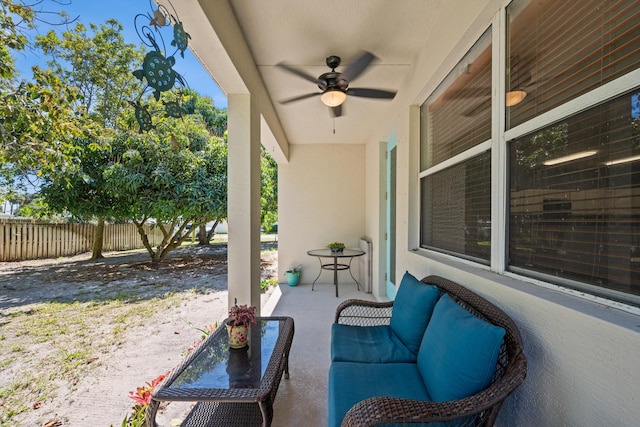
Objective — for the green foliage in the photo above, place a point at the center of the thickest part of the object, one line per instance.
(267, 283)
(72, 130)
(214, 119)
(80, 190)
(38, 208)
(35, 117)
(98, 64)
(268, 191)
(157, 175)
(15, 19)
(38, 127)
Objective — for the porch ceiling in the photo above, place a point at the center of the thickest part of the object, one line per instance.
(304, 33)
(241, 41)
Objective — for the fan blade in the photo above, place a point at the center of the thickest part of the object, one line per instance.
(336, 111)
(358, 66)
(299, 98)
(298, 73)
(470, 92)
(371, 93)
(470, 112)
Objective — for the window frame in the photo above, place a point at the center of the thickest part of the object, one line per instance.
(471, 152)
(500, 135)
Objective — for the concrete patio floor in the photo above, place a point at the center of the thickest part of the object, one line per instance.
(302, 399)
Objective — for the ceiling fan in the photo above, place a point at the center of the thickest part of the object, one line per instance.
(334, 85)
(522, 86)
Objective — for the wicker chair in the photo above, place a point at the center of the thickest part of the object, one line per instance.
(480, 409)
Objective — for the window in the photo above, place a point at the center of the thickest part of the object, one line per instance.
(455, 161)
(574, 210)
(561, 49)
(574, 187)
(570, 140)
(456, 209)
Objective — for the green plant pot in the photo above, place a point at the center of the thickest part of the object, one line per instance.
(292, 278)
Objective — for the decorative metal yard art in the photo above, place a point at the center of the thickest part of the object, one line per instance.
(157, 68)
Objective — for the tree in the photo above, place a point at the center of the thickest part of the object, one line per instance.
(268, 190)
(35, 118)
(203, 110)
(17, 18)
(214, 119)
(81, 190)
(99, 66)
(159, 176)
(37, 127)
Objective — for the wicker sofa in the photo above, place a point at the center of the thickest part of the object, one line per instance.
(438, 355)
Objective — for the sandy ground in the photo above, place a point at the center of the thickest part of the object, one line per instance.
(158, 344)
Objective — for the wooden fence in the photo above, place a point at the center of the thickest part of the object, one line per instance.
(25, 239)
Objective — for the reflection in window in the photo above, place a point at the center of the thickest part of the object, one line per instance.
(456, 211)
(456, 200)
(574, 210)
(559, 50)
(457, 116)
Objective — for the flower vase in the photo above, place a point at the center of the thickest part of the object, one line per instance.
(238, 335)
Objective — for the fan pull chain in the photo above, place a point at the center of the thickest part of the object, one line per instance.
(334, 125)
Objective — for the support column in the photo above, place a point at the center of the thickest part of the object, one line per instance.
(243, 204)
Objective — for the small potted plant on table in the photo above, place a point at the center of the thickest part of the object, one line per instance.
(240, 318)
(336, 247)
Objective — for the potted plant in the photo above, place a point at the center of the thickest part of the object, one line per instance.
(240, 318)
(293, 275)
(336, 247)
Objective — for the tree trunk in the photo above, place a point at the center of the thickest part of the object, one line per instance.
(98, 239)
(169, 243)
(202, 235)
(212, 232)
(145, 238)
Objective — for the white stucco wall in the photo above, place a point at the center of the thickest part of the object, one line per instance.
(321, 198)
(583, 367)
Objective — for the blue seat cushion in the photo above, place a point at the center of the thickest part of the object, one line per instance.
(367, 344)
(412, 310)
(349, 383)
(459, 352)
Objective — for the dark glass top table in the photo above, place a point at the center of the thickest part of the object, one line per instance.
(233, 386)
(335, 266)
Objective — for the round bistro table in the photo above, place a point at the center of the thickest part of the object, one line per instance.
(335, 266)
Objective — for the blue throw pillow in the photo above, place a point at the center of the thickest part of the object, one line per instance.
(459, 352)
(412, 310)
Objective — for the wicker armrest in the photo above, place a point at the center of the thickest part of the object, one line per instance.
(364, 313)
(470, 411)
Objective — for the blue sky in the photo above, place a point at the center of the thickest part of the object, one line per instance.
(97, 12)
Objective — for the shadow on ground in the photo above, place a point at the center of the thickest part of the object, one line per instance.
(129, 276)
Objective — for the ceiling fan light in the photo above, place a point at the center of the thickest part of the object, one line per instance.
(514, 97)
(333, 97)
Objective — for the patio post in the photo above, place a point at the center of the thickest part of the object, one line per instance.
(243, 201)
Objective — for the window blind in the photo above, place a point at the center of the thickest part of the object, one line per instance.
(575, 217)
(561, 49)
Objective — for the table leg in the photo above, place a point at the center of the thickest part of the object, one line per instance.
(319, 273)
(335, 274)
(150, 416)
(354, 279)
(265, 417)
